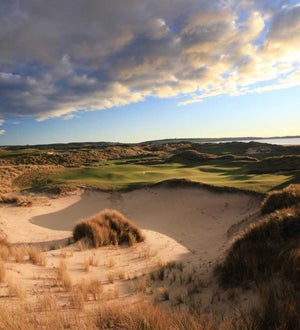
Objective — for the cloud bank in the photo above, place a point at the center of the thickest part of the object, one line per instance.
(59, 57)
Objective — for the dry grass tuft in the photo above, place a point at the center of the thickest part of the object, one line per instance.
(111, 263)
(143, 284)
(19, 253)
(36, 256)
(47, 303)
(85, 291)
(4, 252)
(95, 289)
(89, 261)
(2, 271)
(278, 200)
(16, 290)
(161, 294)
(83, 244)
(15, 199)
(108, 228)
(77, 299)
(122, 275)
(111, 277)
(63, 277)
(86, 265)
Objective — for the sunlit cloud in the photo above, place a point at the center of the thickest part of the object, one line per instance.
(2, 131)
(69, 116)
(58, 59)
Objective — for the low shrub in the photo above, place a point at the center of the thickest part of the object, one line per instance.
(108, 227)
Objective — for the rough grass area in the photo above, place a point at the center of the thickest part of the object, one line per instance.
(278, 200)
(15, 199)
(270, 247)
(108, 227)
(137, 316)
(279, 307)
(188, 156)
(268, 255)
(283, 163)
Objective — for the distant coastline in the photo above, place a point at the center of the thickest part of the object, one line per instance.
(279, 140)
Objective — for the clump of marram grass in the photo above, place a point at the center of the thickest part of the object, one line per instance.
(47, 302)
(5, 249)
(19, 253)
(63, 277)
(16, 290)
(271, 246)
(278, 308)
(2, 271)
(85, 291)
(108, 227)
(15, 199)
(281, 199)
(36, 256)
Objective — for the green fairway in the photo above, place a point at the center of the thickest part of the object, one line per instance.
(250, 166)
(119, 176)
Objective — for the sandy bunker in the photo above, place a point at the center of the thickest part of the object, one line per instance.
(183, 224)
(193, 216)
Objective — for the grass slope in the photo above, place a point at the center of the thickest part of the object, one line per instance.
(268, 255)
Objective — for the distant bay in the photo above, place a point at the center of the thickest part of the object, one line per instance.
(280, 141)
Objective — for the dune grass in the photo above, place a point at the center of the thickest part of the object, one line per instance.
(266, 249)
(22, 252)
(36, 256)
(15, 199)
(278, 200)
(141, 315)
(2, 271)
(268, 255)
(108, 227)
(63, 277)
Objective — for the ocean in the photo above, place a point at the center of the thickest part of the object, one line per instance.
(280, 141)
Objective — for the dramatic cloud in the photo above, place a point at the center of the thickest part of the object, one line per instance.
(61, 57)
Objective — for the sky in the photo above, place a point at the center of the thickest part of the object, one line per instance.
(138, 70)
